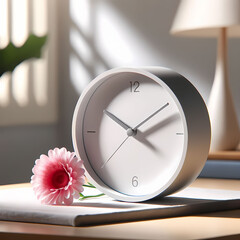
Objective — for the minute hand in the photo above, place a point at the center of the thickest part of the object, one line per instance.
(149, 117)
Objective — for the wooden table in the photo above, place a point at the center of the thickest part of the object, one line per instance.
(219, 225)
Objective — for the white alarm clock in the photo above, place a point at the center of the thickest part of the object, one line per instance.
(142, 132)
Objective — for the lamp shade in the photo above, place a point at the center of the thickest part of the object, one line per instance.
(203, 18)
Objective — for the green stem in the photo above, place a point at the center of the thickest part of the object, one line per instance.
(90, 196)
(90, 186)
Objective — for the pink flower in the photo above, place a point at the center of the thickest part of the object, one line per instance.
(58, 177)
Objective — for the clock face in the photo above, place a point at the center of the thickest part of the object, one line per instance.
(134, 134)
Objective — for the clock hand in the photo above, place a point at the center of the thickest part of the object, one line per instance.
(115, 151)
(149, 117)
(130, 131)
(117, 120)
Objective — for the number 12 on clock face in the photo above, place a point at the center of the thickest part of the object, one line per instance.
(134, 86)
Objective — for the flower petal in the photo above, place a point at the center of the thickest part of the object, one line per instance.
(68, 201)
(50, 169)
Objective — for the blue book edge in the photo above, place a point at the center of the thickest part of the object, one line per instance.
(221, 169)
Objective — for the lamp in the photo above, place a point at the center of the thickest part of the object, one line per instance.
(214, 18)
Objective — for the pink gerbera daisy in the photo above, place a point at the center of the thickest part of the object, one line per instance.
(58, 177)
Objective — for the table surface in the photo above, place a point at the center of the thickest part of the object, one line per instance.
(218, 225)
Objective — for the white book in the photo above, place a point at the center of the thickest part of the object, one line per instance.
(20, 204)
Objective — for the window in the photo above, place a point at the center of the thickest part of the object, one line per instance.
(28, 95)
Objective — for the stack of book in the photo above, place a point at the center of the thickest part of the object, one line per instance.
(222, 164)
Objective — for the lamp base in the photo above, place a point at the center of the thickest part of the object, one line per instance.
(224, 122)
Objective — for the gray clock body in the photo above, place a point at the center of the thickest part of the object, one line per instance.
(141, 132)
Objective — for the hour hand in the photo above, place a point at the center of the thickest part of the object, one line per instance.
(117, 120)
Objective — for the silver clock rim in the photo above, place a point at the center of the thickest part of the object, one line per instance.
(171, 185)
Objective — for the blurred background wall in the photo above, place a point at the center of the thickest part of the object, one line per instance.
(89, 37)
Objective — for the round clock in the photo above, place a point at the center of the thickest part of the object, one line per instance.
(141, 132)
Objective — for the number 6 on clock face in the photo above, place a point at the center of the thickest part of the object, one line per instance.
(141, 132)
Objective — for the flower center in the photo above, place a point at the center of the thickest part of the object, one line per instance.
(60, 179)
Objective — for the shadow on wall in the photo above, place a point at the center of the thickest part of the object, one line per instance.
(105, 33)
(85, 58)
(96, 35)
